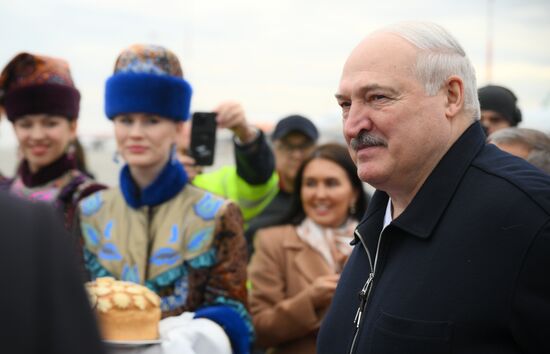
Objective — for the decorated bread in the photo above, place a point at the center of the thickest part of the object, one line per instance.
(125, 311)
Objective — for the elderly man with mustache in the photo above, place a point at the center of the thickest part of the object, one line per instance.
(452, 253)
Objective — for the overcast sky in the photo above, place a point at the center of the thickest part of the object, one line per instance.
(276, 57)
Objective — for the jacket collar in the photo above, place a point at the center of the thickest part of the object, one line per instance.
(168, 183)
(307, 261)
(429, 204)
(46, 174)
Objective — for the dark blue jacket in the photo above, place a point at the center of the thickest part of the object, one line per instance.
(464, 269)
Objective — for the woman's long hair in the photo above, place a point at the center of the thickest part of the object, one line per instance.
(338, 154)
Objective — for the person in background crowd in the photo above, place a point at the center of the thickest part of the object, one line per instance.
(296, 266)
(250, 183)
(44, 307)
(294, 137)
(452, 254)
(499, 108)
(40, 99)
(156, 229)
(529, 144)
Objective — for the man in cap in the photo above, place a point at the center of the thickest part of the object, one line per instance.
(294, 137)
(498, 108)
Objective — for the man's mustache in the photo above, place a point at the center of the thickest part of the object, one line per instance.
(364, 139)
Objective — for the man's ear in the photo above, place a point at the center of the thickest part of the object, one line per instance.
(454, 89)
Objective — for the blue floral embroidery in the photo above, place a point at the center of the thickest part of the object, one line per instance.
(109, 252)
(166, 278)
(164, 256)
(205, 260)
(174, 234)
(207, 207)
(108, 229)
(92, 204)
(95, 269)
(90, 234)
(130, 273)
(178, 298)
(198, 239)
(147, 66)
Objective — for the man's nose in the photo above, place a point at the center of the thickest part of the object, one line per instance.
(358, 119)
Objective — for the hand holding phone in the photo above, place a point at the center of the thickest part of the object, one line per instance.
(203, 138)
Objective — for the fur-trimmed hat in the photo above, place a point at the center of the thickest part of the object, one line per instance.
(148, 79)
(36, 84)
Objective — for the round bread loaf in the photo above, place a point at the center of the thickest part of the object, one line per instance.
(125, 310)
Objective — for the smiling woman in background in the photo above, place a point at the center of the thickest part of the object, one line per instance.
(296, 266)
(38, 96)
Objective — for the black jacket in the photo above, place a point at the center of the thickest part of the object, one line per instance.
(464, 269)
(43, 305)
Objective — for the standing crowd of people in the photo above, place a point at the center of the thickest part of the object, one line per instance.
(285, 250)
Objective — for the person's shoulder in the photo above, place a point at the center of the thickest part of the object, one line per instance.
(11, 205)
(95, 201)
(516, 173)
(203, 195)
(5, 183)
(23, 217)
(208, 204)
(276, 234)
(85, 186)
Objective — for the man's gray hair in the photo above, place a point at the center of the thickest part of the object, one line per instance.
(440, 57)
(535, 141)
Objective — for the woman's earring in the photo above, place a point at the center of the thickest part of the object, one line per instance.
(174, 154)
(352, 210)
(71, 150)
(116, 156)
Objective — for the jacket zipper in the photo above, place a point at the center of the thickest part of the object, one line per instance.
(365, 292)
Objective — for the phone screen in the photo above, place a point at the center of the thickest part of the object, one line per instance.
(203, 138)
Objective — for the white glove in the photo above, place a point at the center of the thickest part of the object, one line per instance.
(184, 334)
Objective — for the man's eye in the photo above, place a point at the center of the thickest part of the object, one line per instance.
(344, 104)
(377, 97)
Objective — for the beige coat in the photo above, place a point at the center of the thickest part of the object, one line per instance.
(280, 271)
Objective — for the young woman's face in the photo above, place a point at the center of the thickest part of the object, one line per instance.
(43, 138)
(327, 193)
(145, 140)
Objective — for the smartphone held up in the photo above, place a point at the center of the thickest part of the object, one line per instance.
(203, 138)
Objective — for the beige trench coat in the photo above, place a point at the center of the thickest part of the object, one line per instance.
(280, 272)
